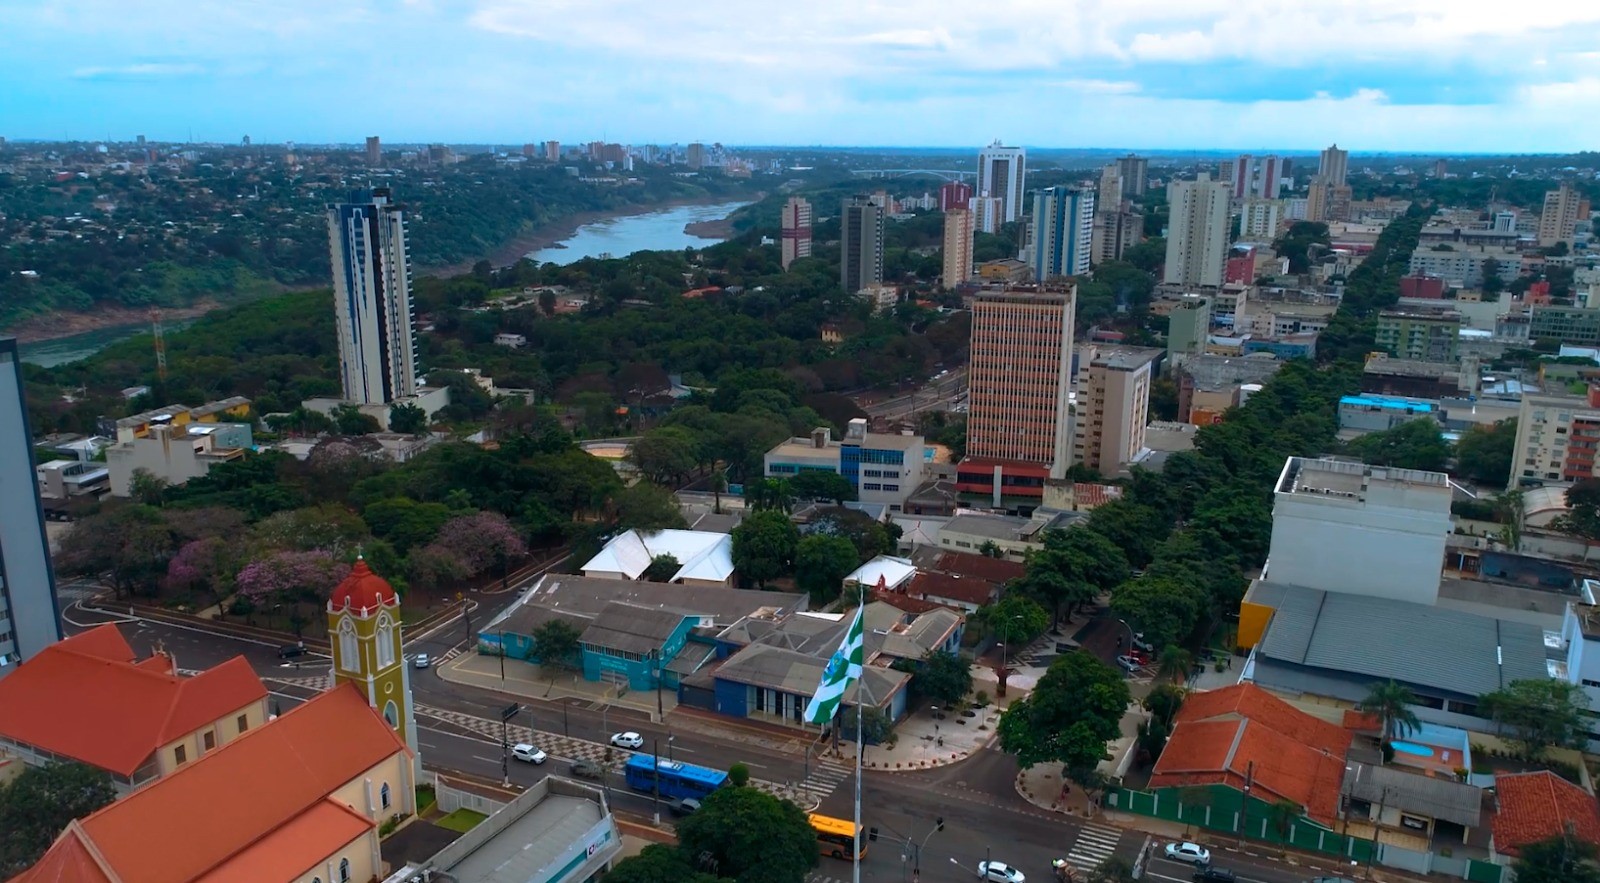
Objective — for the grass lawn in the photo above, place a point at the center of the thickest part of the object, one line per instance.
(461, 821)
(424, 798)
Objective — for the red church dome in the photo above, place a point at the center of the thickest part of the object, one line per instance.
(362, 590)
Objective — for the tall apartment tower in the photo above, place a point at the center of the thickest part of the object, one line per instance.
(1560, 216)
(1108, 194)
(374, 150)
(1002, 172)
(30, 619)
(695, 156)
(796, 230)
(1240, 174)
(552, 151)
(1259, 218)
(1334, 166)
(954, 194)
(986, 213)
(860, 244)
(1115, 231)
(1063, 232)
(957, 246)
(1113, 407)
(1135, 171)
(372, 298)
(1197, 233)
(1020, 378)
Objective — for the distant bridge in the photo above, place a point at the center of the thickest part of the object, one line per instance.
(941, 174)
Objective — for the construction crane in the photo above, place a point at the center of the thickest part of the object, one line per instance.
(160, 343)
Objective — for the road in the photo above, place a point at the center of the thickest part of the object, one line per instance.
(936, 395)
(459, 729)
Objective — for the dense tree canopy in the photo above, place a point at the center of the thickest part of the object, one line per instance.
(750, 837)
(1070, 716)
(38, 804)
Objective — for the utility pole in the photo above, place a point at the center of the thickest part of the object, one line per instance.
(506, 714)
(1372, 851)
(1244, 805)
(655, 769)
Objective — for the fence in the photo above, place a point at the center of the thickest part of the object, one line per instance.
(451, 799)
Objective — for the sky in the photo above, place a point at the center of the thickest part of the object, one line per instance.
(1440, 76)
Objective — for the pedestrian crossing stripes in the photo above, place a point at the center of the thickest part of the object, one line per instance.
(818, 877)
(1094, 845)
(825, 776)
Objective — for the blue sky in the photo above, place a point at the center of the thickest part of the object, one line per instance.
(1394, 75)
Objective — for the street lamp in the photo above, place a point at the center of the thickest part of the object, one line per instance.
(1130, 635)
(655, 769)
(916, 857)
(670, 739)
(935, 710)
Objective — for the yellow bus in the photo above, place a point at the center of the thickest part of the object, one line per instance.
(839, 838)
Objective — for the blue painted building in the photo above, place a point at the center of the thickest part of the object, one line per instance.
(882, 467)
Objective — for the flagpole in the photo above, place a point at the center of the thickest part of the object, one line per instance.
(861, 737)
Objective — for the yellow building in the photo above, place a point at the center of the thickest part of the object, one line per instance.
(138, 425)
(364, 629)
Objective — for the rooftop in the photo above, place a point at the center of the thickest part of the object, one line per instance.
(701, 555)
(1538, 806)
(1410, 368)
(1302, 475)
(1389, 403)
(1434, 797)
(630, 628)
(996, 527)
(884, 569)
(580, 599)
(1126, 358)
(528, 845)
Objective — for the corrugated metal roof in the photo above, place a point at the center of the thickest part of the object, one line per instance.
(1433, 647)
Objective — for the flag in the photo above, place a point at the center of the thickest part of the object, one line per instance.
(843, 669)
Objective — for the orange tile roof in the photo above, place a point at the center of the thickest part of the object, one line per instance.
(995, 570)
(1362, 722)
(70, 860)
(121, 711)
(1243, 733)
(295, 849)
(206, 821)
(1538, 806)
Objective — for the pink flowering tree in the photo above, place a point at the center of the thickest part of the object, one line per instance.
(481, 541)
(205, 566)
(292, 581)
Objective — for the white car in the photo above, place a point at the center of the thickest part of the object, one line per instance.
(1129, 663)
(627, 740)
(528, 753)
(1140, 643)
(421, 660)
(1193, 853)
(999, 872)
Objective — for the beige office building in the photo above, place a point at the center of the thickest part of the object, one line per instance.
(957, 246)
(1197, 233)
(1560, 216)
(1113, 406)
(1020, 376)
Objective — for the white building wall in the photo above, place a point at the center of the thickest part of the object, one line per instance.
(1389, 546)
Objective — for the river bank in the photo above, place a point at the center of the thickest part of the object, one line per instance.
(54, 326)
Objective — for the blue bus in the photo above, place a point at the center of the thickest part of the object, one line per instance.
(677, 779)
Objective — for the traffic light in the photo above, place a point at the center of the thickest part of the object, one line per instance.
(872, 834)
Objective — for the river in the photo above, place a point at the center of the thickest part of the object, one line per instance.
(660, 230)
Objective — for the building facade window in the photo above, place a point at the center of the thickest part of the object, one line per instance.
(180, 755)
(349, 649)
(383, 795)
(344, 870)
(391, 713)
(208, 739)
(385, 641)
(243, 722)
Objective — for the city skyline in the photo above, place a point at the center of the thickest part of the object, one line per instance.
(1430, 78)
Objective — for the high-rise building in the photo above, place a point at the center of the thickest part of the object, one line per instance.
(1334, 165)
(1339, 198)
(1558, 220)
(1270, 174)
(796, 230)
(1002, 172)
(1115, 231)
(552, 151)
(986, 213)
(1019, 384)
(1255, 177)
(695, 156)
(1113, 406)
(957, 246)
(1135, 171)
(1108, 195)
(1317, 199)
(374, 150)
(1259, 219)
(1188, 326)
(1063, 232)
(860, 244)
(954, 194)
(30, 619)
(1197, 233)
(1441, 168)
(372, 298)
(1240, 175)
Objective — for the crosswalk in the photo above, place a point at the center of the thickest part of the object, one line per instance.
(1094, 845)
(825, 775)
(822, 877)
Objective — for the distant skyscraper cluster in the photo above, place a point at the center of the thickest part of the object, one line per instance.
(372, 298)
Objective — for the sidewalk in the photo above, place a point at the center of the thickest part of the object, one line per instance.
(532, 682)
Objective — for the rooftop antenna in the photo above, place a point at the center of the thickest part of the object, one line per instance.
(160, 343)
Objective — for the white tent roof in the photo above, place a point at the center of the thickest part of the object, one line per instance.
(702, 555)
(893, 572)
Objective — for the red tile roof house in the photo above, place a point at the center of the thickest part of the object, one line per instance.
(1539, 806)
(1224, 737)
(963, 581)
(89, 699)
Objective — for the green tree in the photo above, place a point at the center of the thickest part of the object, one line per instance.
(738, 774)
(1492, 283)
(991, 549)
(764, 546)
(1113, 870)
(146, 487)
(1165, 609)
(1072, 569)
(662, 569)
(658, 863)
(407, 418)
(1582, 518)
(1561, 859)
(821, 562)
(1544, 713)
(1163, 703)
(1484, 453)
(1070, 716)
(666, 454)
(1414, 444)
(556, 644)
(404, 522)
(1174, 663)
(1296, 244)
(944, 677)
(1391, 702)
(751, 837)
(1133, 528)
(765, 494)
(816, 484)
(1013, 620)
(349, 420)
(647, 507)
(38, 804)
(129, 541)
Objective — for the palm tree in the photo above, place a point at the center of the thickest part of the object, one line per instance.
(1392, 702)
(719, 485)
(1174, 663)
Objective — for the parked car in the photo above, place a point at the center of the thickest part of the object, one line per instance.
(999, 872)
(627, 740)
(1192, 853)
(1129, 663)
(1330, 880)
(291, 651)
(1139, 643)
(1214, 875)
(528, 753)
(587, 769)
(421, 660)
(682, 806)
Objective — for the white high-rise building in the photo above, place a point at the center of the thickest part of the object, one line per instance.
(957, 246)
(30, 615)
(796, 230)
(1001, 173)
(1259, 219)
(987, 213)
(1197, 233)
(372, 298)
(1063, 232)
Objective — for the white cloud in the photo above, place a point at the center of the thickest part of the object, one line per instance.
(138, 71)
